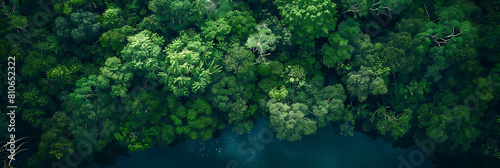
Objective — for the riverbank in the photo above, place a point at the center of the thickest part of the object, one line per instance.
(326, 148)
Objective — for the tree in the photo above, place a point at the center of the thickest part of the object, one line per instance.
(226, 92)
(363, 82)
(86, 27)
(393, 124)
(450, 13)
(278, 94)
(17, 22)
(329, 105)
(116, 38)
(294, 74)
(262, 42)
(242, 23)
(308, 19)
(449, 36)
(189, 65)
(174, 14)
(240, 61)
(66, 7)
(212, 10)
(240, 116)
(63, 29)
(113, 18)
(398, 54)
(197, 122)
(362, 8)
(142, 128)
(216, 29)
(367, 54)
(349, 29)
(36, 64)
(61, 75)
(143, 53)
(36, 101)
(115, 76)
(54, 143)
(357, 7)
(411, 25)
(409, 94)
(232, 98)
(81, 27)
(85, 108)
(491, 147)
(336, 51)
(151, 23)
(290, 122)
(454, 127)
(86, 88)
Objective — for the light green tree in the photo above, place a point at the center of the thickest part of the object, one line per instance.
(216, 29)
(336, 51)
(115, 76)
(278, 94)
(188, 67)
(290, 122)
(143, 54)
(308, 19)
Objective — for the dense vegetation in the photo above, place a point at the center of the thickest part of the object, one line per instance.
(96, 74)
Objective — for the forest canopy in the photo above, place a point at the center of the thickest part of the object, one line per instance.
(138, 74)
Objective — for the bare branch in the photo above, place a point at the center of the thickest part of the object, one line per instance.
(428, 16)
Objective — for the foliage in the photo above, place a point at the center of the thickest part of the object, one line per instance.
(337, 51)
(197, 122)
(278, 94)
(449, 36)
(81, 27)
(294, 74)
(290, 121)
(116, 38)
(390, 123)
(242, 23)
(54, 143)
(453, 126)
(115, 77)
(240, 61)
(141, 74)
(308, 19)
(188, 67)
(216, 29)
(364, 82)
(143, 54)
(113, 18)
(361, 8)
(174, 14)
(262, 41)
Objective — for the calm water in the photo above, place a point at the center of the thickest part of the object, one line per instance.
(261, 149)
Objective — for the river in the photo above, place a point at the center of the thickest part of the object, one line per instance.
(260, 148)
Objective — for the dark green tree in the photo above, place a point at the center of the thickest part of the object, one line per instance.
(365, 82)
(116, 38)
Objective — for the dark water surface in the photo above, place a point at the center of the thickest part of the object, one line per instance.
(259, 148)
